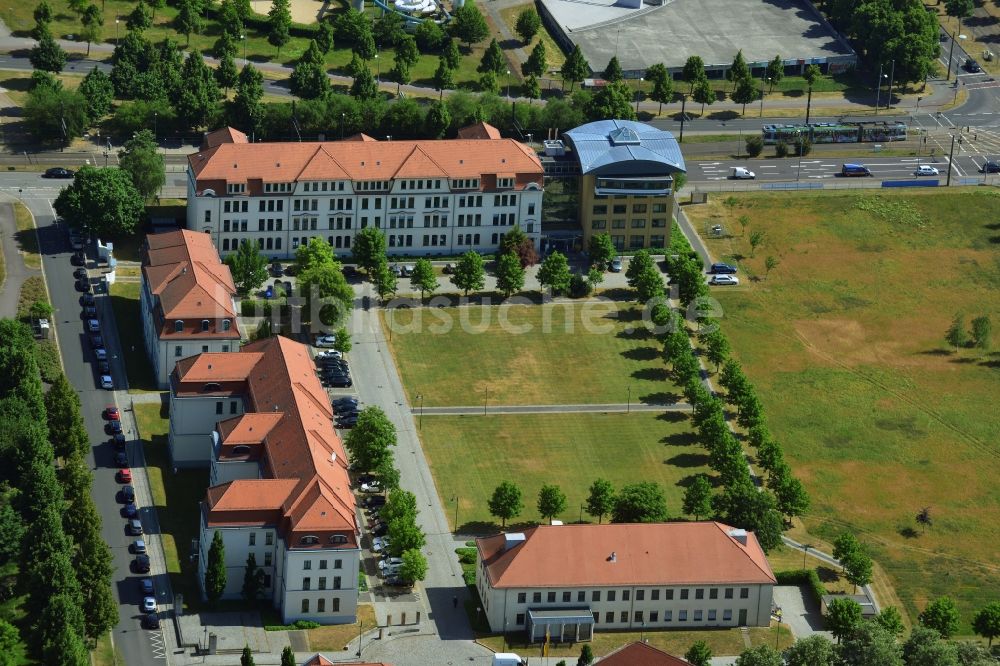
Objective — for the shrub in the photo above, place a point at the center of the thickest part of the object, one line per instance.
(781, 149)
(47, 356)
(250, 307)
(803, 147)
(466, 555)
(807, 577)
(578, 286)
(755, 146)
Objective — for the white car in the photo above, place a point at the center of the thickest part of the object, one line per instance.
(925, 170)
(107, 382)
(379, 544)
(371, 487)
(149, 605)
(390, 563)
(408, 270)
(724, 280)
(326, 340)
(742, 173)
(330, 353)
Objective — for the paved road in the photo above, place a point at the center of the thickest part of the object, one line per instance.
(143, 648)
(546, 409)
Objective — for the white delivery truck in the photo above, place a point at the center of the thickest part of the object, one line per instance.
(507, 659)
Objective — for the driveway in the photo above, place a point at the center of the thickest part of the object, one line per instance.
(799, 611)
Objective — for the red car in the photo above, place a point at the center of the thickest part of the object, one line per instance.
(111, 413)
(125, 475)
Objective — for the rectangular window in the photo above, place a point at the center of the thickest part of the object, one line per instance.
(636, 242)
(654, 616)
(699, 593)
(623, 617)
(269, 539)
(660, 208)
(698, 616)
(638, 223)
(609, 617)
(638, 208)
(640, 595)
(713, 593)
(566, 597)
(626, 595)
(322, 564)
(711, 615)
(307, 565)
(599, 224)
(637, 616)
(600, 210)
(727, 615)
(744, 593)
(654, 595)
(550, 597)
(729, 593)
(519, 619)
(336, 582)
(581, 597)
(682, 616)
(267, 559)
(218, 410)
(595, 595)
(306, 583)
(658, 222)
(321, 605)
(668, 595)
(619, 209)
(338, 564)
(305, 605)
(531, 209)
(618, 224)
(536, 598)
(611, 595)
(668, 616)
(684, 594)
(335, 604)
(253, 538)
(322, 582)
(522, 597)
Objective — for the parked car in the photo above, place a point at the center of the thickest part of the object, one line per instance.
(134, 527)
(379, 544)
(58, 172)
(111, 413)
(326, 340)
(277, 270)
(117, 441)
(972, 66)
(408, 270)
(127, 494)
(139, 547)
(76, 241)
(391, 571)
(104, 367)
(388, 562)
(347, 400)
(449, 269)
(373, 501)
(130, 510)
(124, 475)
(341, 382)
(287, 286)
(101, 354)
(616, 265)
(925, 170)
(269, 292)
(89, 312)
(146, 587)
(397, 270)
(149, 604)
(151, 621)
(328, 353)
(990, 166)
(394, 580)
(96, 341)
(331, 362)
(87, 299)
(83, 285)
(721, 269)
(141, 564)
(742, 173)
(380, 530)
(371, 487)
(108, 384)
(78, 258)
(724, 280)
(121, 459)
(81, 274)
(347, 421)
(113, 427)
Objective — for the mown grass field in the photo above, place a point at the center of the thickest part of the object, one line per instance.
(470, 455)
(528, 354)
(845, 342)
(128, 316)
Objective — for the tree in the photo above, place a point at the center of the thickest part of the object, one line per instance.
(890, 620)
(327, 295)
(640, 503)
(253, 579)
(527, 25)
(406, 50)
(226, 73)
(535, 65)
(506, 502)
(141, 160)
(600, 499)
(793, 500)
(11, 649)
(756, 239)
(811, 73)
(405, 534)
(602, 250)
(982, 332)
(770, 263)
(369, 249)
(613, 72)
(640, 262)
(956, 335)
(444, 76)
(140, 19)
(844, 546)
(698, 497)
(857, 568)
(717, 348)
(703, 93)
(741, 505)
(941, 615)
(738, 71)
(959, 8)
(813, 650)
(754, 146)
(699, 654)
(517, 241)
(510, 274)
(371, 439)
(611, 101)
(384, 280)
(663, 85)
(586, 656)
(924, 518)
(470, 274)
(575, 68)
(247, 110)
(248, 266)
(493, 60)
(761, 655)
(324, 37)
(215, 569)
(451, 54)
(389, 29)
(414, 566)
(101, 201)
(986, 622)
(66, 429)
(198, 101)
(279, 20)
(468, 25)
(364, 88)
(47, 55)
(648, 285)
(693, 71)
(246, 659)
(288, 657)
(423, 277)
(189, 19)
(489, 83)
(54, 113)
(42, 12)
(92, 20)
(843, 615)
(746, 91)
(554, 273)
(775, 72)
(924, 647)
(551, 501)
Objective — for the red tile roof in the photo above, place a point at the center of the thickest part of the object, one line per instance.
(223, 135)
(190, 284)
(286, 400)
(479, 131)
(363, 160)
(644, 554)
(641, 654)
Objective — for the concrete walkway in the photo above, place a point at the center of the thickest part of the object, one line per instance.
(548, 409)
(15, 270)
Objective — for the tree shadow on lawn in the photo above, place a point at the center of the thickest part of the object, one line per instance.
(639, 332)
(908, 533)
(992, 226)
(936, 352)
(641, 354)
(689, 479)
(662, 398)
(827, 575)
(964, 360)
(687, 460)
(679, 439)
(652, 374)
(619, 294)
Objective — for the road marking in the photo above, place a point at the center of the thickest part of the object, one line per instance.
(156, 643)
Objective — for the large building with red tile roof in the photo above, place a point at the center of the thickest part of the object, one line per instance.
(278, 483)
(187, 300)
(641, 654)
(567, 581)
(429, 197)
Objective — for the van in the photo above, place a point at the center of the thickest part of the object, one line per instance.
(742, 173)
(854, 170)
(507, 659)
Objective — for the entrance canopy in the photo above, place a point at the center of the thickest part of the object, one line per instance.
(561, 624)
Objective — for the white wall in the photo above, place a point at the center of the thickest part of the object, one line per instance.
(192, 421)
(294, 573)
(238, 549)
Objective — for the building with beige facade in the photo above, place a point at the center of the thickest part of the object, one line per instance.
(566, 581)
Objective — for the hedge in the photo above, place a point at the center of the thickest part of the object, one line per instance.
(807, 577)
(47, 357)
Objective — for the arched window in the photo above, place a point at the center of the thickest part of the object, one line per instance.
(338, 538)
(204, 325)
(178, 326)
(309, 540)
(226, 324)
(240, 450)
(211, 386)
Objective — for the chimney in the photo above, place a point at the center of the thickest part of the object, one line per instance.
(613, 557)
(740, 535)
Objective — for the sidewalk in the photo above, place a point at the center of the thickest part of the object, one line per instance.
(16, 272)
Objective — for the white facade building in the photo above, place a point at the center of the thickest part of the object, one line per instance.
(279, 488)
(187, 301)
(441, 197)
(567, 581)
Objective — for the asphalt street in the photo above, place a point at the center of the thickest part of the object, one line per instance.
(138, 646)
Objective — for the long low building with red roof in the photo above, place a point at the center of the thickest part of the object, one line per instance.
(278, 482)
(566, 581)
(438, 197)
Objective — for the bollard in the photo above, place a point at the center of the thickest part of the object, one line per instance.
(380, 633)
(418, 618)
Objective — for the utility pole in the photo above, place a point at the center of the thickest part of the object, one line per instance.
(878, 88)
(950, 156)
(684, 99)
(892, 74)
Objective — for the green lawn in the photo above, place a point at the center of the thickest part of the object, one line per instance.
(125, 302)
(845, 342)
(470, 455)
(27, 239)
(176, 497)
(569, 353)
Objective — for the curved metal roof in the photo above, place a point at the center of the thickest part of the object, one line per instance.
(606, 143)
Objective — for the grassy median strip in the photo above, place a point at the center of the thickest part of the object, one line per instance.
(27, 238)
(125, 302)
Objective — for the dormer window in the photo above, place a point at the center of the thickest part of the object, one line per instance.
(309, 540)
(338, 539)
(204, 325)
(226, 324)
(178, 326)
(241, 450)
(211, 387)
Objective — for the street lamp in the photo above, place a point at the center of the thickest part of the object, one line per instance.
(508, 85)
(638, 92)
(951, 50)
(361, 624)
(116, 29)
(244, 38)
(455, 500)
(378, 71)
(628, 401)
(420, 423)
(878, 88)
(805, 549)
(155, 117)
(763, 82)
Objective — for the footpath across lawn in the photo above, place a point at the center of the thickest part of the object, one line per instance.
(845, 341)
(470, 455)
